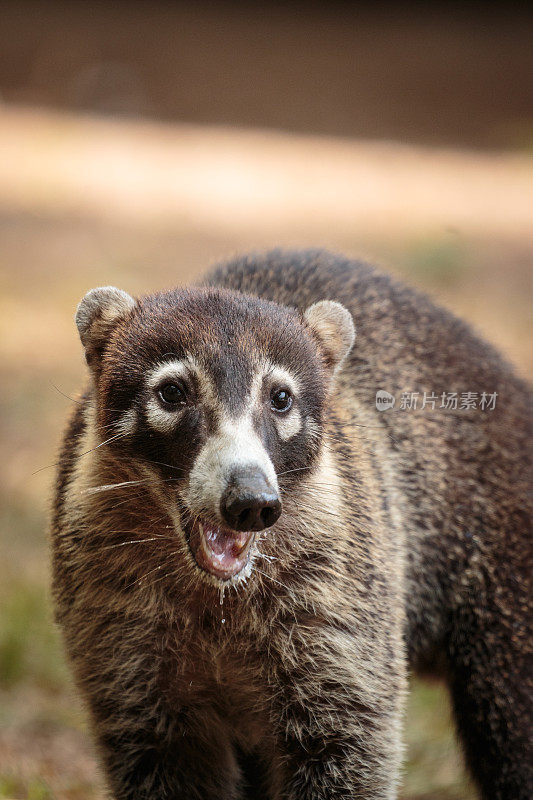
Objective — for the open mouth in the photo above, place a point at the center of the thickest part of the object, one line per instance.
(220, 551)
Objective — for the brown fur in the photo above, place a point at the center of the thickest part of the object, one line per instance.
(403, 540)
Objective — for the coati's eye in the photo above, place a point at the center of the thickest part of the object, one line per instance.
(280, 400)
(171, 394)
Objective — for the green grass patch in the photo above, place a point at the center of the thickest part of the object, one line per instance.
(15, 790)
(30, 649)
(434, 767)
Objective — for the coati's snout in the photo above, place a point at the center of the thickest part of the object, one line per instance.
(250, 502)
(232, 492)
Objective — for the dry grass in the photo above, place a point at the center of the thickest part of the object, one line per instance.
(161, 205)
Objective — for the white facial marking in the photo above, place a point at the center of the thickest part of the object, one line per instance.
(168, 371)
(158, 417)
(280, 377)
(289, 424)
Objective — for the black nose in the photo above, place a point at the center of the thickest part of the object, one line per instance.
(250, 503)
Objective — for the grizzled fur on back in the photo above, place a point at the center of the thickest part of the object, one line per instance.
(403, 539)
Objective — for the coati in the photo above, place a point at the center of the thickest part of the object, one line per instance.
(248, 556)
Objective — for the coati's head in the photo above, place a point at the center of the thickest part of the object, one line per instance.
(219, 395)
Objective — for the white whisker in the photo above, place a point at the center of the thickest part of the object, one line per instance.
(139, 541)
(106, 487)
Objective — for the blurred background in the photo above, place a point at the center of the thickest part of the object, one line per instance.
(140, 142)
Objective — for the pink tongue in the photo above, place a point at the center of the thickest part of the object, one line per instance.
(221, 552)
(224, 543)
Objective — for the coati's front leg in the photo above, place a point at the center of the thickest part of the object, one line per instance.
(152, 748)
(154, 759)
(340, 715)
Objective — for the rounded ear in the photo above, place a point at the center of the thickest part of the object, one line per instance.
(332, 326)
(96, 315)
